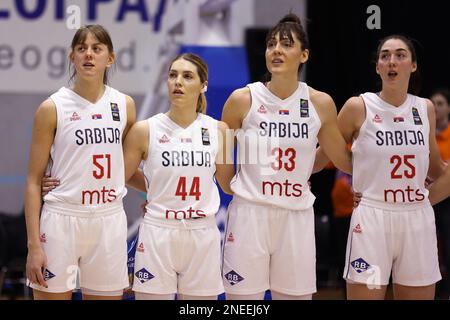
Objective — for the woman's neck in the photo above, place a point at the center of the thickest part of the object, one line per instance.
(283, 87)
(91, 91)
(182, 116)
(394, 96)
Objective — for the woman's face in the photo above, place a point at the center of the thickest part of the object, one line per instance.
(394, 64)
(184, 83)
(441, 105)
(283, 55)
(91, 58)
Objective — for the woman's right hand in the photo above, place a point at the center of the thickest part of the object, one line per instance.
(36, 264)
(356, 198)
(48, 184)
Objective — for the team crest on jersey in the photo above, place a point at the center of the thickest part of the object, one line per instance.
(304, 108)
(283, 112)
(75, 117)
(262, 109)
(377, 119)
(141, 248)
(42, 238)
(205, 137)
(360, 265)
(164, 139)
(233, 277)
(48, 274)
(399, 119)
(357, 229)
(96, 117)
(115, 111)
(143, 275)
(416, 116)
(230, 237)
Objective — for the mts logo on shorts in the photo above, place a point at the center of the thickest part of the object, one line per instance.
(360, 265)
(143, 275)
(233, 277)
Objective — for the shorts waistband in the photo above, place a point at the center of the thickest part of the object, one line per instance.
(237, 200)
(395, 206)
(189, 224)
(242, 201)
(84, 211)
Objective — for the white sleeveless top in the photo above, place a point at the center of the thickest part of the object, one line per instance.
(277, 148)
(86, 154)
(391, 153)
(180, 169)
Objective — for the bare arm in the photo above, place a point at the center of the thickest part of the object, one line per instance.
(137, 181)
(44, 127)
(320, 161)
(224, 160)
(350, 118)
(236, 108)
(131, 115)
(330, 138)
(135, 149)
(234, 111)
(440, 189)
(436, 167)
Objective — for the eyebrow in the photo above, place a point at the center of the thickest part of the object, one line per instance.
(84, 44)
(396, 50)
(284, 38)
(182, 71)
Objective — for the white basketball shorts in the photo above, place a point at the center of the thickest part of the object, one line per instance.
(178, 256)
(91, 243)
(269, 248)
(382, 241)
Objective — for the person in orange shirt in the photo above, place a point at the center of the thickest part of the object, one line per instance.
(441, 101)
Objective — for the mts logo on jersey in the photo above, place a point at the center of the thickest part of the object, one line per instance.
(143, 275)
(103, 196)
(360, 265)
(233, 277)
(184, 214)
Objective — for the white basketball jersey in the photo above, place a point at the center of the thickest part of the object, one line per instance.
(180, 168)
(277, 148)
(86, 154)
(391, 153)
